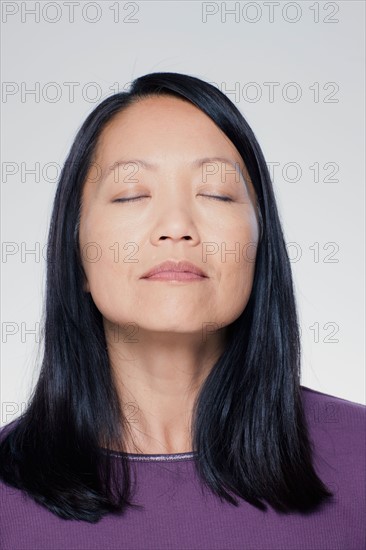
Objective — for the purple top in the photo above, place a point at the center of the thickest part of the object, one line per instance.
(177, 515)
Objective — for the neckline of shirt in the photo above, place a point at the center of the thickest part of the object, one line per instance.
(152, 457)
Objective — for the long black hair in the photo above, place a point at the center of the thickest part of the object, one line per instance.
(249, 430)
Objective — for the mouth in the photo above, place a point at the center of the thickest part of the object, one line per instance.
(175, 270)
(175, 276)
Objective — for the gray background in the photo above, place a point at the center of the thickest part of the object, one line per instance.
(311, 131)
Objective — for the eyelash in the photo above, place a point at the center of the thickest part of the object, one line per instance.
(223, 199)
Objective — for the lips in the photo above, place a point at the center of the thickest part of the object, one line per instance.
(175, 266)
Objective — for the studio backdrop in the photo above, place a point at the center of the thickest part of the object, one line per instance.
(296, 70)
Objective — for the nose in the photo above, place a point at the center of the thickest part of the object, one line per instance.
(174, 218)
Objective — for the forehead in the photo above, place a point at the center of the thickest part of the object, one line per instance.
(163, 127)
(158, 111)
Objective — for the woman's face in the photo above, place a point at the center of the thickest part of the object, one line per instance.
(175, 220)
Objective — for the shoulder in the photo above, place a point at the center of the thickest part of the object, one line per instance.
(323, 408)
(339, 421)
(337, 430)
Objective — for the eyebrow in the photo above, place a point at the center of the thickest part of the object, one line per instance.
(197, 163)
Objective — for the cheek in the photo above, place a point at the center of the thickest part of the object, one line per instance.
(100, 251)
(108, 284)
(106, 244)
(237, 278)
(110, 252)
(237, 255)
(238, 241)
(234, 289)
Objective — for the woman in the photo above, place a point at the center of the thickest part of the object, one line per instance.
(172, 351)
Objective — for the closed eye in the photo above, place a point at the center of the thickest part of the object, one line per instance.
(217, 197)
(130, 199)
(225, 199)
